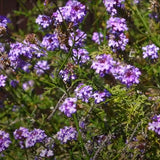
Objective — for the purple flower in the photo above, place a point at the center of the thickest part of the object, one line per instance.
(2, 80)
(4, 21)
(41, 67)
(83, 92)
(73, 12)
(27, 85)
(50, 42)
(67, 75)
(100, 96)
(4, 140)
(35, 136)
(103, 64)
(128, 75)
(81, 56)
(111, 5)
(46, 153)
(14, 83)
(44, 21)
(116, 24)
(97, 37)
(19, 54)
(67, 134)
(118, 41)
(150, 51)
(21, 133)
(77, 38)
(69, 106)
(155, 125)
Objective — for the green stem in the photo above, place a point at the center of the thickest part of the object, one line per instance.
(80, 140)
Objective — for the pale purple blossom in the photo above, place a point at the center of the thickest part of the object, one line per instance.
(44, 21)
(69, 106)
(4, 140)
(2, 80)
(67, 134)
(150, 51)
(83, 92)
(41, 67)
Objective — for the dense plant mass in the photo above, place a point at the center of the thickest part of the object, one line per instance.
(81, 82)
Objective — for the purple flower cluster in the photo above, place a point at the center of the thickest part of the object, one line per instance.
(29, 138)
(4, 21)
(103, 64)
(150, 51)
(41, 67)
(155, 125)
(48, 148)
(127, 74)
(21, 54)
(67, 134)
(116, 24)
(67, 75)
(77, 38)
(50, 42)
(2, 80)
(117, 39)
(44, 21)
(46, 153)
(27, 85)
(112, 5)
(100, 96)
(83, 92)
(118, 42)
(69, 106)
(80, 56)
(97, 37)
(73, 12)
(4, 140)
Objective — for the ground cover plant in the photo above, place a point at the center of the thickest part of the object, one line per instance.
(81, 81)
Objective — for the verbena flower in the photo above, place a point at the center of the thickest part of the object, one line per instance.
(67, 75)
(67, 134)
(46, 153)
(118, 41)
(83, 92)
(77, 38)
(35, 136)
(150, 51)
(41, 67)
(103, 64)
(111, 5)
(73, 12)
(155, 124)
(2, 80)
(116, 24)
(4, 140)
(50, 42)
(44, 21)
(69, 106)
(21, 133)
(97, 37)
(80, 55)
(4, 21)
(27, 85)
(100, 96)
(127, 74)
